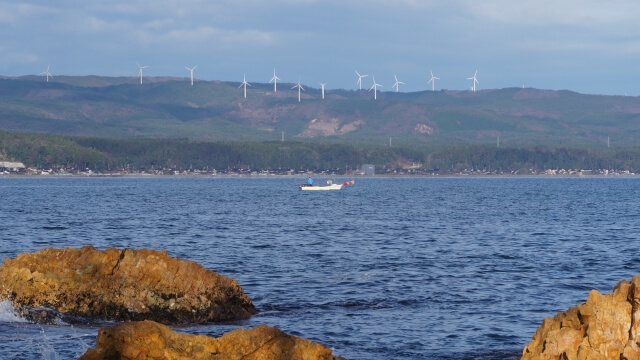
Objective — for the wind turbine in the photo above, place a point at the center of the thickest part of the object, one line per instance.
(299, 88)
(244, 83)
(433, 81)
(396, 84)
(321, 84)
(275, 80)
(191, 70)
(360, 79)
(140, 72)
(475, 81)
(47, 73)
(374, 87)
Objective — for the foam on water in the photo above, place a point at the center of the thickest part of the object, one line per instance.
(8, 314)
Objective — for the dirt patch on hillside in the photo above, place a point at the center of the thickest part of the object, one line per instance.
(329, 127)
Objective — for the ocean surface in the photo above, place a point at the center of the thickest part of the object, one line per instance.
(389, 268)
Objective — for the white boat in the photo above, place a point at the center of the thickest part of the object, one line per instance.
(330, 186)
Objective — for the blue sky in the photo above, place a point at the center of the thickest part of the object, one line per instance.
(588, 46)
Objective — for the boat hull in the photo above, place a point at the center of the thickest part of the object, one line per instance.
(320, 188)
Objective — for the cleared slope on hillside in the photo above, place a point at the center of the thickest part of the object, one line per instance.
(214, 111)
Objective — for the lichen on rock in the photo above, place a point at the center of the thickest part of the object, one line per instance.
(604, 327)
(150, 340)
(121, 284)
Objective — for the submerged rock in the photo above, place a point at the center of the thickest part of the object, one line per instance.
(605, 327)
(121, 284)
(150, 340)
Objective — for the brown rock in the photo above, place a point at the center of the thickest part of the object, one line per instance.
(605, 327)
(149, 340)
(120, 284)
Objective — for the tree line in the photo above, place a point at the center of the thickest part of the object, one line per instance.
(103, 154)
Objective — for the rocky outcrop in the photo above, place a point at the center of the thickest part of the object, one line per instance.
(120, 284)
(149, 340)
(605, 327)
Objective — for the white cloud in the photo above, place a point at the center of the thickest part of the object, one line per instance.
(209, 36)
(19, 13)
(309, 37)
(19, 58)
(539, 13)
(159, 24)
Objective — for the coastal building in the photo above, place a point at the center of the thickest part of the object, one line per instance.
(10, 166)
(369, 170)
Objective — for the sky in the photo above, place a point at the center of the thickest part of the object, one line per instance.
(587, 46)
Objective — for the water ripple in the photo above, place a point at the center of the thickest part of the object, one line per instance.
(392, 268)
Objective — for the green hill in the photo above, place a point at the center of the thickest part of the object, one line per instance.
(164, 107)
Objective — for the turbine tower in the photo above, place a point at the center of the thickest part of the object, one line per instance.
(275, 80)
(140, 72)
(475, 81)
(321, 84)
(360, 79)
(191, 71)
(433, 81)
(299, 88)
(244, 83)
(396, 84)
(47, 73)
(374, 87)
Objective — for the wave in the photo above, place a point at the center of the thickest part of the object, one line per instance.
(8, 314)
(36, 315)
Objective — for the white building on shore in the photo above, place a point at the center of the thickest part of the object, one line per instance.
(10, 166)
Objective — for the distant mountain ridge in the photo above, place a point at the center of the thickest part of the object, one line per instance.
(169, 107)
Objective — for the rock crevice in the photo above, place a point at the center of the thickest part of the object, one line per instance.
(117, 284)
(604, 327)
(150, 341)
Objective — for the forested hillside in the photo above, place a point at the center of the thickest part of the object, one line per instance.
(147, 155)
(170, 108)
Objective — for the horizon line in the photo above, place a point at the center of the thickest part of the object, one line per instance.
(135, 77)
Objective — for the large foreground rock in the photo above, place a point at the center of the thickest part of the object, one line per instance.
(118, 284)
(605, 327)
(149, 340)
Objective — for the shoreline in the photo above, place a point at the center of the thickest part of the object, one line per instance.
(317, 176)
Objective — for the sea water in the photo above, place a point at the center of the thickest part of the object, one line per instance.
(388, 268)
